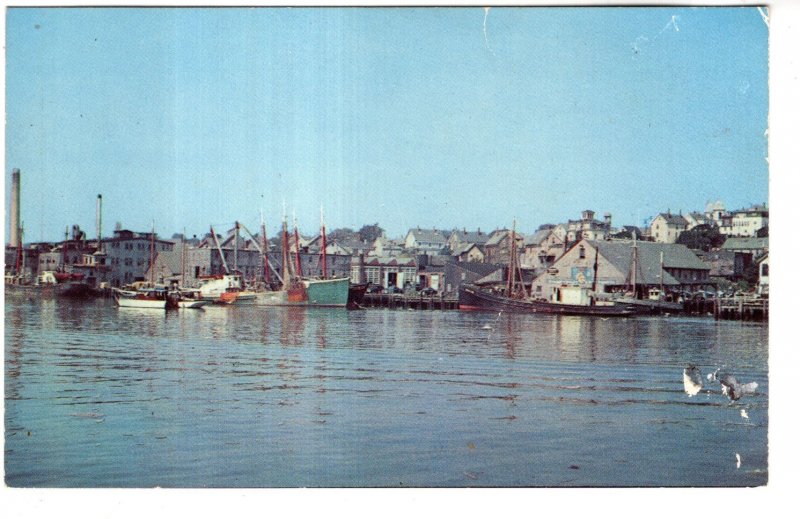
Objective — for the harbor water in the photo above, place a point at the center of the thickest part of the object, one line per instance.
(99, 396)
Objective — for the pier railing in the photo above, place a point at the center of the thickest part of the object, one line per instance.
(742, 307)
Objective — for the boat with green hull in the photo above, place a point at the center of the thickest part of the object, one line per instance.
(300, 290)
(308, 292)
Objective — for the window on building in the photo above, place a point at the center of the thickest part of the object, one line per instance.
(582, 252)
(765, 269)
(373, 275)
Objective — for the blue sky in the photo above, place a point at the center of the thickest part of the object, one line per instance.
(405, 117)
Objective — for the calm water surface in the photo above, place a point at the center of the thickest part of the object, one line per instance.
(97, 396)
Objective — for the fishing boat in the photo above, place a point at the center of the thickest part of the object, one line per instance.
(227, 288)
(471, 297)
(567, 300)
(146, 298)
(646, 300)
(655, 303)
(53, 284)
(297, 289)
(191, 303)
(188, 298)
(224, 289)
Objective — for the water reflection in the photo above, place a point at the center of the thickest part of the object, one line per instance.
(337, 398)
(292, 326)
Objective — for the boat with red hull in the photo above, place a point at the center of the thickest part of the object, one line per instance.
(470, 297)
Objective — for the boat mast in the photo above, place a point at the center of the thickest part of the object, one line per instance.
(634, 267)
(661, 273)
(594, 277)
(64, 249)
(221, 255)
(324, 244)
(261, 251)
(265, 249)
(285, 250)
(183, 258)
(21, 252)
(298, 265)
(153, 254)
(512, 274)
(99, 223)
(236, 248)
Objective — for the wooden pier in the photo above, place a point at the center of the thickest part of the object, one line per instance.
(405, 301)
(744, 307)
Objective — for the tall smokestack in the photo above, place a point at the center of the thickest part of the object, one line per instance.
(99, 220)
(14, 209)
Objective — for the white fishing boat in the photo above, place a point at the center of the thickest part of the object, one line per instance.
(224, 288)
(192, 303)
(188, 298)
(140, 299)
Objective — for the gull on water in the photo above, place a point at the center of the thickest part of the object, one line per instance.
(692, 381)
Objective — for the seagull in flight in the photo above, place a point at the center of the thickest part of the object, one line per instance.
(733, 389)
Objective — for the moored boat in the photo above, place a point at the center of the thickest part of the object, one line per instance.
(224, 289)
(189, 298)
(300, 290)
(192, 303)
(308, 292)
(566, 300)
(140, 298)
(50, 283)
(470, 297)
(355, 294)
(651, 305)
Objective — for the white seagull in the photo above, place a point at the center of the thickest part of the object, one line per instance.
(692, 381)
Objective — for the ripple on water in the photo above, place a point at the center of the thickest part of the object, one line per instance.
(325, 397)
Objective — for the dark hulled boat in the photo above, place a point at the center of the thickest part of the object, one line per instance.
(355, 295)
(470, 297)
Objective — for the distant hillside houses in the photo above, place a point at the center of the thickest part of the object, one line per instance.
(749, 222)
(383, 246)
(745, 222)
(459, 239)
(542, 248)
(498, 246)
(588, 228)
(426, 241)
(666, 227)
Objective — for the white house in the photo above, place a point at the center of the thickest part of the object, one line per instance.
(666, 227)
(745, 222)
(427, 241)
